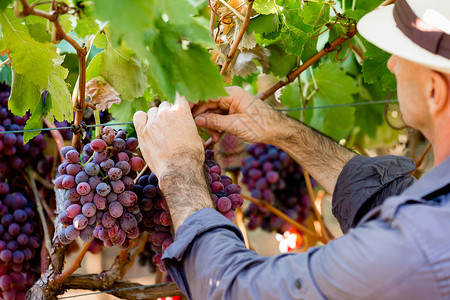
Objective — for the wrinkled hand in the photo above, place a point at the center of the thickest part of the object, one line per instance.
(241, 114)
(168, 137)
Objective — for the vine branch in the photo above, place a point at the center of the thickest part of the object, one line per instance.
(238, 39)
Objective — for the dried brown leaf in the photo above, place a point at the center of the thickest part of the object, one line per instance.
(102, 94)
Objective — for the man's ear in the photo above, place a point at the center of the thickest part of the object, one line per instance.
(438, 92)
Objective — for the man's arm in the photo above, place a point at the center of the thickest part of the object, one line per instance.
(208, 260)
(250, 119)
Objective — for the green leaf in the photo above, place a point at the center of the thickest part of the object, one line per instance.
(375, 68)
(85, 26)
(60, 107)
(334, 87)
(4, 4)
(124, 111)
(265, 7)
(35, 121)
(125, 72)
(316, 13)
(294, 40)
(38, 30)
(29, 57)
(281, 63)
(100, 41)
(207, 82)
(291, 98)
(5, 73)
(263, 24)
(24, 94)
(177, 11)
(92, 70)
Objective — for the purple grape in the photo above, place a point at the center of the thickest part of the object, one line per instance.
(127, 198)
(99, 157)
(71, 233)
(100, 202)
(92, 169)
(73, 169)
(112, 196)
(68, 182)
(107, 220)
(89, 209)
(224, 204)
(115, 173)
(272, 176)
(137, 163)
(88, 150)
(94, 182)
(107, 164)
(122, 156)
(98, 145)
(149, 191)
(87, 234)
(80, 222)
(6, 255)
(87, 198)
(128, 222)
(73, 210)
(73, 157)
(18, 257)
(103, 189)
(216, 186)
(131, 143)
(20, 215)
(82, 176)
(72, 195)
(115, 209)
(83, 188)
(233, 189)
(66, 149)
(118, 145)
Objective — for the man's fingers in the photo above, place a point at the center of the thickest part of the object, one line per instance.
(181, 102)
(152, 113)
(215, 121)
(139, 120)
(165, 104)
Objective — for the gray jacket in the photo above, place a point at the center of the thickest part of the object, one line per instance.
(399, 247)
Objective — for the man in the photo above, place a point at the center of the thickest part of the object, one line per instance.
(398, 250)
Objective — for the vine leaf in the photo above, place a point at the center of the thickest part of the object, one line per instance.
(291, 98)
(125, 72)
(102, 94)
(24, 94)
(375, 68)
(265, 7)
(124, 111)
(334, 87)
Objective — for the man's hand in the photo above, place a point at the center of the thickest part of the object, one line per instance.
(174, 151)
(241, 114)
(168, 137)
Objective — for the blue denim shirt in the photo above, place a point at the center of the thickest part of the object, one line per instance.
(399, 249)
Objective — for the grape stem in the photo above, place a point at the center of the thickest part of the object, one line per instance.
(98, 129)
(40, 210)
(285, 217)
(140, 174)
(318, 216)
(75, 266)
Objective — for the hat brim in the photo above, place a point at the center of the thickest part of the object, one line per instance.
(379, 28)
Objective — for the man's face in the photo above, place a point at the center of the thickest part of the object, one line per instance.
(412, 95)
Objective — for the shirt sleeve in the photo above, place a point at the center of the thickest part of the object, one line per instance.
(365, 182)
(208, 260)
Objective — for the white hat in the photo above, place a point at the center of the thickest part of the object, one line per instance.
(416, 30)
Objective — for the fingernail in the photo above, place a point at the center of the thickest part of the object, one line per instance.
(200, 121)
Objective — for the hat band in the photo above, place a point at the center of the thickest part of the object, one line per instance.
(421, 33)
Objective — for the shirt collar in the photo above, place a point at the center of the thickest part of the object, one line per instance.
(434, 180)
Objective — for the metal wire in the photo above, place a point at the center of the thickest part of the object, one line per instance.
(112, 291)
(281, 110)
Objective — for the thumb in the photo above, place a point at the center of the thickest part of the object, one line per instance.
(216, 122)
(139, 121)
(182, 102)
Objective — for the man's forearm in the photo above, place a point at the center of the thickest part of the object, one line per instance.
(185, 191)
(318, 154)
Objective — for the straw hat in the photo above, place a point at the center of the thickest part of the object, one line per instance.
(416, 30)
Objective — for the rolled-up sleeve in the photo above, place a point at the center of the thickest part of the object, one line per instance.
(365, 182)
(208, 260)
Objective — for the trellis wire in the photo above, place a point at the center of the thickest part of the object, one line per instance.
(281, 110)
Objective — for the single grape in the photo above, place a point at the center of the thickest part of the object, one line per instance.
(94, 182)
(100, 202)
(5, 282)
(80, 222)
(18, 257)
(122, 156)
(99, 157)
(128, 222)
(137, 163)
(224, 204)
(149, 191)
(112, 196)
(82, 176)
(127, 198)
(87, 198)
(233, 189)
(108, 220)
(6, 255)
(128, 182)
(107, 164)
(66, 149)
(73, 157)
(164, 218)
(92, 169)
(131, 143)
(73, 210)
(20, 215)
(83, 188)
(216, 186)
(115, 173)
(103, 189)
(115, 209)
(86, 234)
(68, 182)
(118, 145)
(72, 195)
(73, 169)
(89, 209)
(88, 150)
(124, 166)
(71, 232)
(98, 145)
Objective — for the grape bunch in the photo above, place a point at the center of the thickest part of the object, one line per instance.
(14, 154)
(99, 196)
(271, 175)
(156, 219)
(19, 244)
